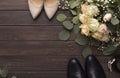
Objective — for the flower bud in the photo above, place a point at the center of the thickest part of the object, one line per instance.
(107, 17)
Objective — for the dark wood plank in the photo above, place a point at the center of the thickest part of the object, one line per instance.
(44, 66)
(24, 18)
(54, 74)
(43, 48)
(30, 32)
(51, 48)
(43, 63)
(13, 5)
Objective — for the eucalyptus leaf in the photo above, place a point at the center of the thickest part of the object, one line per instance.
(73, 12)
(64, 35)
(115, 21)
(95, 42)
(61, 17)
(4, 72)
(87, 51)
(76, 28)
(81, 40)
(68, 25)
(74, 3)
(75, 20)
(109, 50)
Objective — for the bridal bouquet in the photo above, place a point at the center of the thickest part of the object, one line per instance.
(96, 22)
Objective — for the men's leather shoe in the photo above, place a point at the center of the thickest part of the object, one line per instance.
(93, 68)
(75, 70)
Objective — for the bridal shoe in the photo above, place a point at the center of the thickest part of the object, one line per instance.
(51, 7)
(35, 7)
(75, 69)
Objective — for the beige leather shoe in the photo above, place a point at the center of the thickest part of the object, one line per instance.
(51, 7)
(35, 7)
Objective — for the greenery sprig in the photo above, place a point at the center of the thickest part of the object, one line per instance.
(4, 73)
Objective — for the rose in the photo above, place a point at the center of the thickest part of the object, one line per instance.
(101, 37)
(83, 18)
(85, 29)
(107, 17)
(84, 8)
(103, 29)
(93, 24)
(92, 10)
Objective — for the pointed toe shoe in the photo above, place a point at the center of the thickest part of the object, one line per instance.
(35, 7)
(51, 7)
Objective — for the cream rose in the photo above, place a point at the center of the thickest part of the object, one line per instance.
(83, 18)
(93, 24)
(101, 37)
(84, 8)
(84, 30)
(92, 10)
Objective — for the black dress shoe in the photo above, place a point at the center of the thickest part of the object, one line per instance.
(75, 70)
(93, 68)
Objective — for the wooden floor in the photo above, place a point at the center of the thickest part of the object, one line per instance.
(32, 49)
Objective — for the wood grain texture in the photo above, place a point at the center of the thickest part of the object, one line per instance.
(31, 48)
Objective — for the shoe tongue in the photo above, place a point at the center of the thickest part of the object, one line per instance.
(37, 2)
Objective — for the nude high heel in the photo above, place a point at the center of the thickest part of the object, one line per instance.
(35, 7)
(51, 7)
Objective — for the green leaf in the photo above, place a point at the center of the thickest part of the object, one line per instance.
(87, 51)
(74, 3)
(81, 40)
(115, 21)
(61, 17)
(95, 42)
(73, 12)
(76, 28)
(75, 20)
(64, 35)
(109, 50)
(4, 72)
(68, 25)
(118, 1)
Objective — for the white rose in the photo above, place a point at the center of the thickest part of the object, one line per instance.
(92, 10)
(103, 29)
(83, 18)
(107, 17)
(93, 25)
